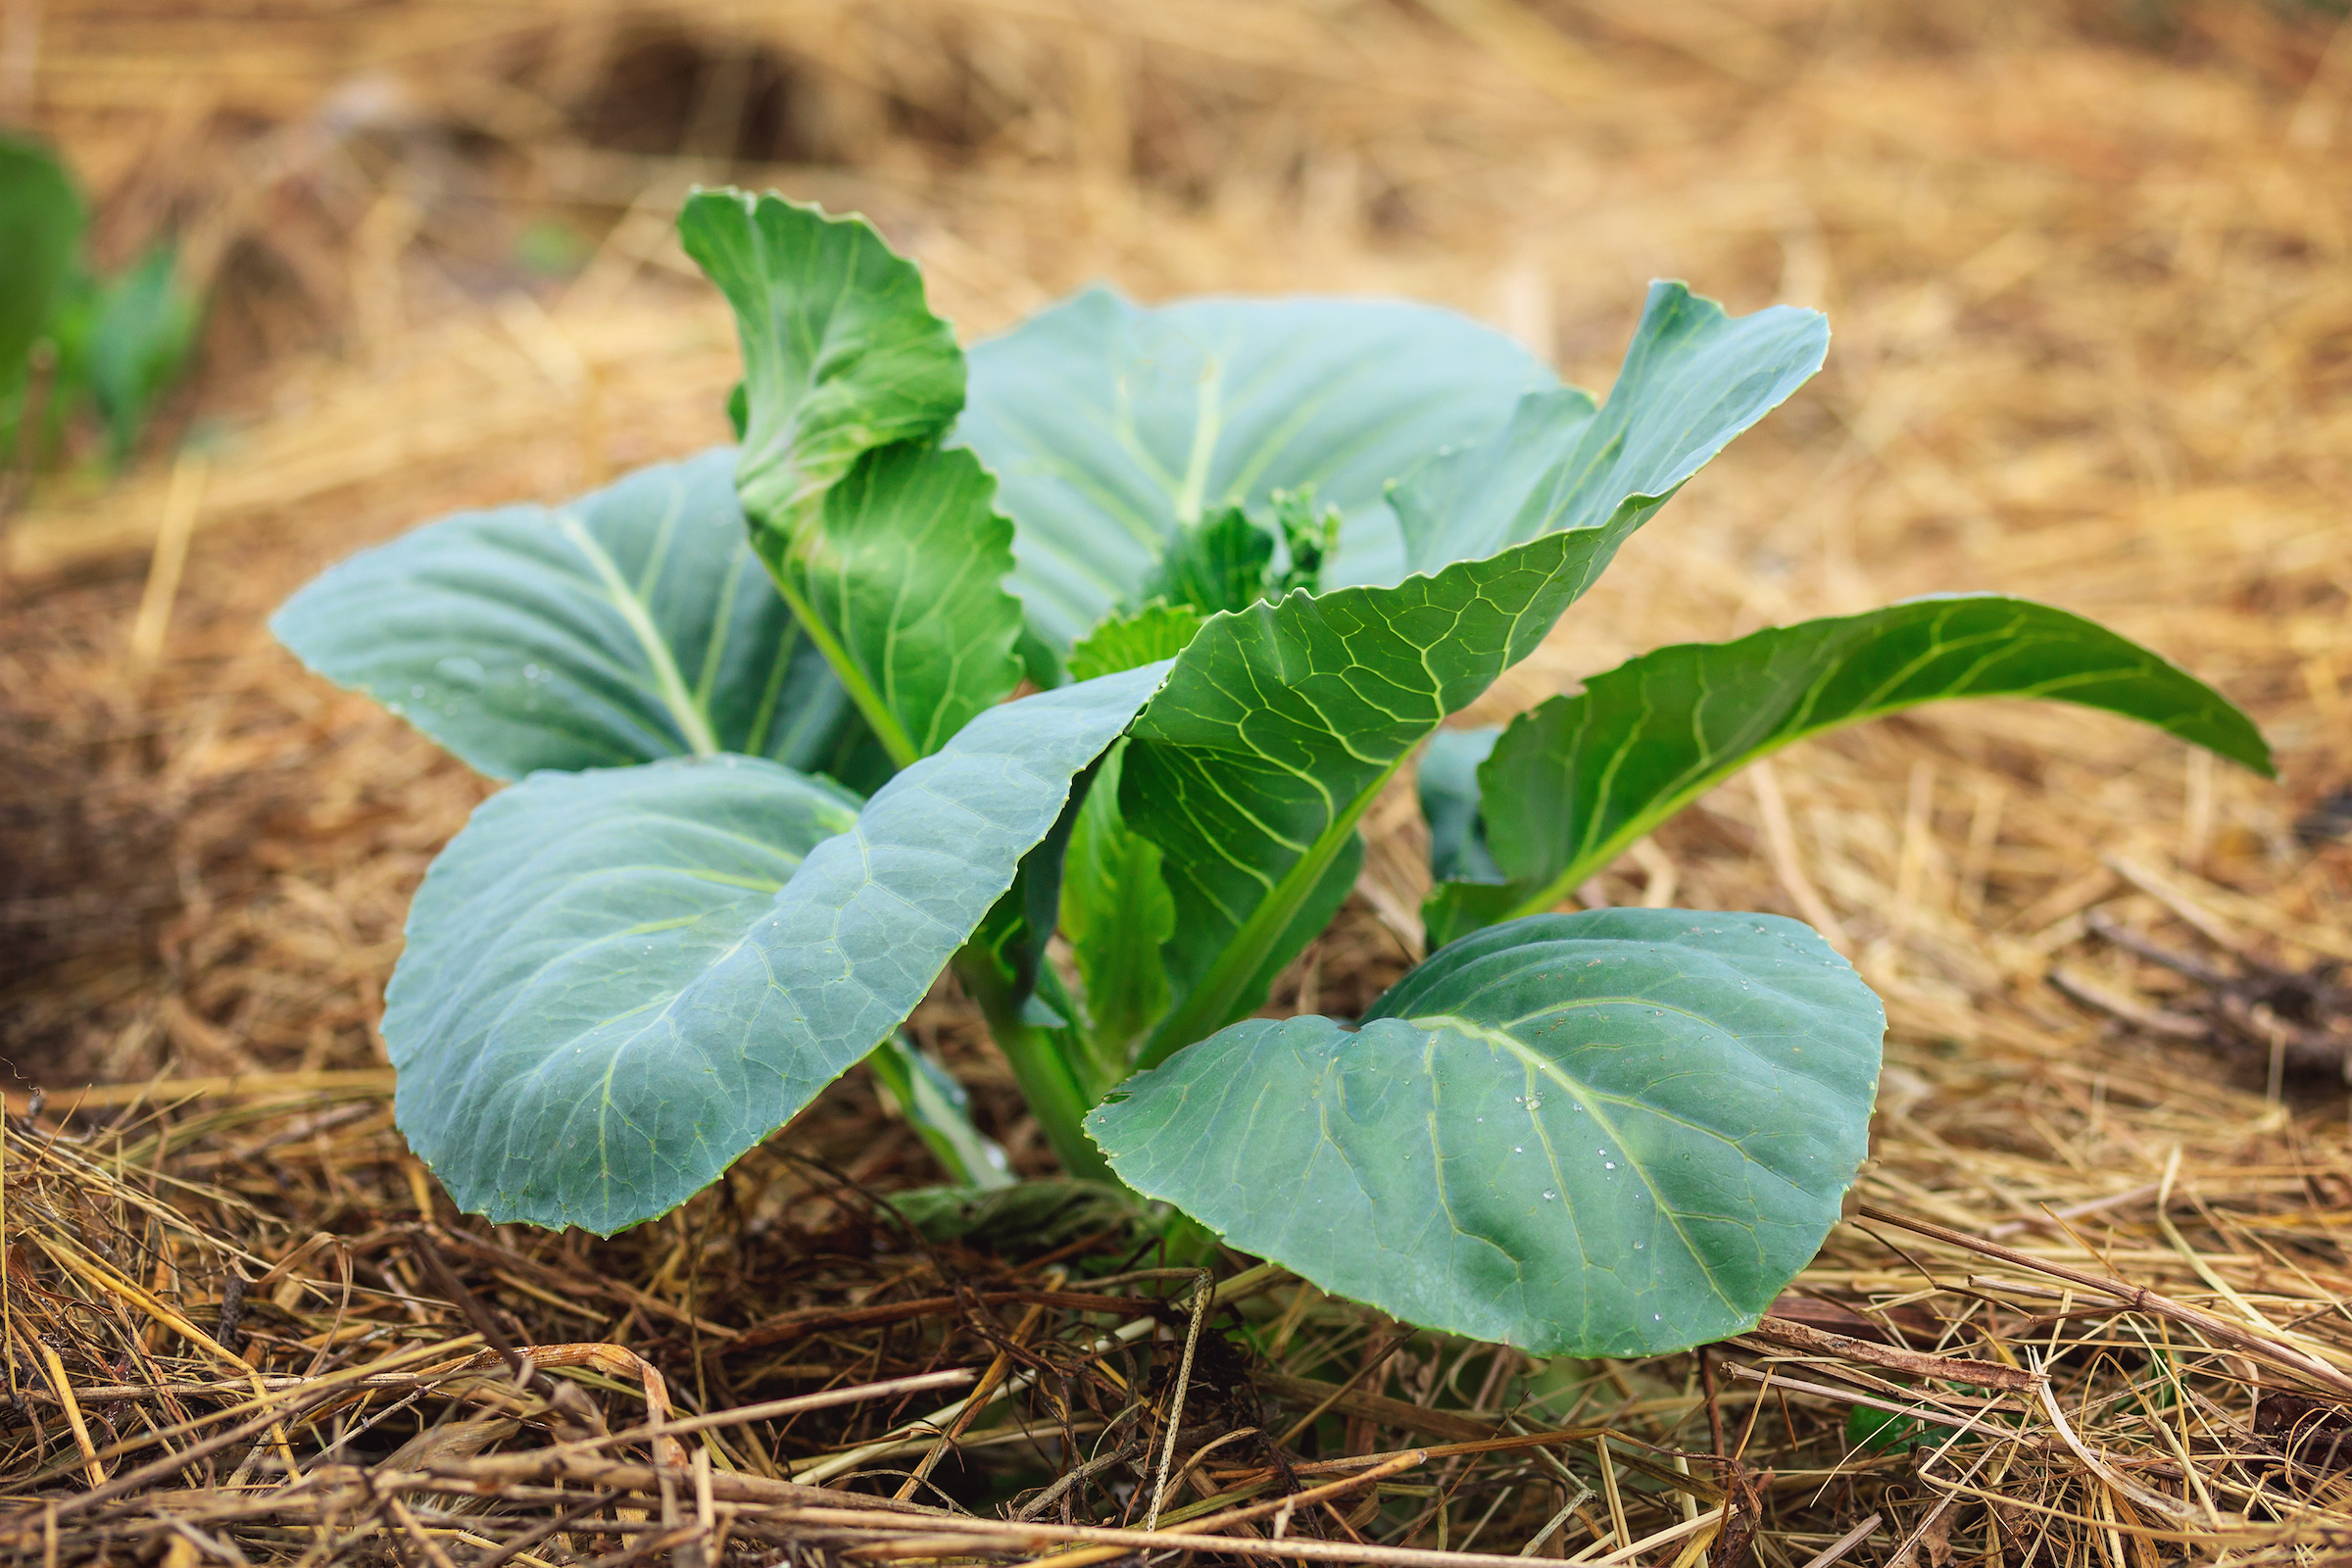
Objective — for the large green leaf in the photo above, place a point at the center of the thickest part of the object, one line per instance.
(840, 353)
(41, 221)
(617, 981)
(1617, 1133)
(1575, 782)
(1281, 723)
(630, 625)
(888, 549)
(1692, 378)
(1112, 427)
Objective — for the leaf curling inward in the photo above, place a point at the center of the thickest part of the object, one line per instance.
(840, 353)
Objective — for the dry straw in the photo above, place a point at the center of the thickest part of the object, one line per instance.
(2094, 344)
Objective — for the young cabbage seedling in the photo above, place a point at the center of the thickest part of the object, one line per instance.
(1253, 553)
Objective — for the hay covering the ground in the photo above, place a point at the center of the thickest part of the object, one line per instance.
(2093, 344)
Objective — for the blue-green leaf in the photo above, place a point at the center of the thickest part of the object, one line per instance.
(1693, 379)
(627, 625)
(1112, 427)
(617, 981)
(1575, 782)
(1617, 1133)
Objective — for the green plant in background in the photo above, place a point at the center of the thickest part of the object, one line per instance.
(69, 339)
(774, 781)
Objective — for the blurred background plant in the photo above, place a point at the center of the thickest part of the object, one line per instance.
(76, 343)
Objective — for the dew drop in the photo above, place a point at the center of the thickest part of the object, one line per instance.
(1608, 1164)
(1550, 1194)
(1638, 1246)
(1657, 1317)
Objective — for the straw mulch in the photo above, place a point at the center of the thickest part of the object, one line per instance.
(2094, 344)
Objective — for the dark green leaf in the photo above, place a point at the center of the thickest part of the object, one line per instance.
(1031, 1016)
(1577, 781)
(1310, 538)
(69, 336)
(840, 353)
(630, 625)
(902, 573)
(1024, 1221)
(1115, 913)
(888, 549)
(41, 221)
(1112, 427)
(1617, 1133)
(1221, 565)
(1887, 1431)
(617, 981)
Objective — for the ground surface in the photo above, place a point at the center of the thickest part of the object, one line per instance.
(2093, 344)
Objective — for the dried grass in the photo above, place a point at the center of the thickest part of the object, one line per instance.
(2094, 344)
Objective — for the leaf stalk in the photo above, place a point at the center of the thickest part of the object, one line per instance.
(887, 729)
(1048, 1078)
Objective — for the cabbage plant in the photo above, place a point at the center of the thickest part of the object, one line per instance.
(1111, 629)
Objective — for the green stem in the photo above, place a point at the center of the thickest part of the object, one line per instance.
(885, 724)
(934, 1105)
(1595, 858)
(1048, 1078)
